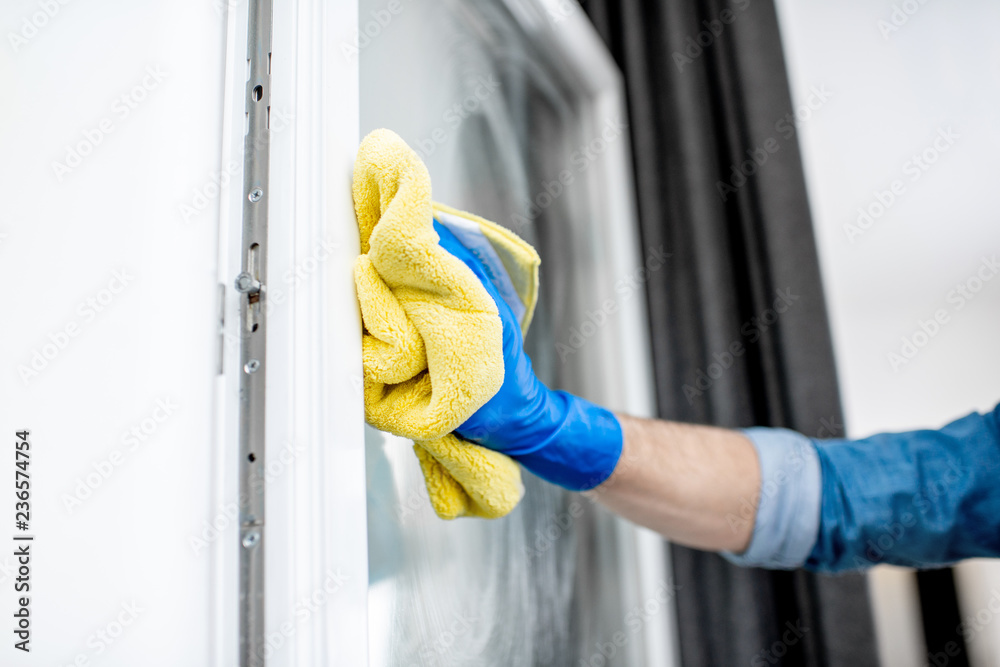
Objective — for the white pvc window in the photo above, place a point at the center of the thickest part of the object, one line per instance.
(119, 305)
(118, 248)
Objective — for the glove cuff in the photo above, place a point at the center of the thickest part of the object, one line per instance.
(580, 453)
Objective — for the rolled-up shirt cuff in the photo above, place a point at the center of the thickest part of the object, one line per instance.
(788, 503)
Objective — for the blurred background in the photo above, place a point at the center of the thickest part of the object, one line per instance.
(899, 76)
(695, 162)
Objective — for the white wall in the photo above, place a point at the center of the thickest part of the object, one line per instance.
(123, 131)
(896, 81)
(890, 96)
(110, 126)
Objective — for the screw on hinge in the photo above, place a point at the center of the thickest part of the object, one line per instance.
(255, 194)
(245, 284)
(251, 539)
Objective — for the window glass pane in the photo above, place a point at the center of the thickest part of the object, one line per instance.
(496, 121)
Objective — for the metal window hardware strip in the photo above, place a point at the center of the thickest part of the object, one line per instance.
(251, 284)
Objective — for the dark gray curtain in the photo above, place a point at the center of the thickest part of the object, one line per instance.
(720, 185)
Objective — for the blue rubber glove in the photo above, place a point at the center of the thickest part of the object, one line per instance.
(559, 437)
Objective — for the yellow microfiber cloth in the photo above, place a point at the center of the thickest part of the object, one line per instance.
(432, 343)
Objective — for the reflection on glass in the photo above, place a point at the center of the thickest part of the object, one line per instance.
(496, 125)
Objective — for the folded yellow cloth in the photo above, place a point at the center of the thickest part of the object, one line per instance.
(432, 343)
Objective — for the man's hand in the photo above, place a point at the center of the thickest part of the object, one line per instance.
(559, 437)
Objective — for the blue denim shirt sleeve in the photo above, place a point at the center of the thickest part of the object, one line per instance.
(921, 498)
